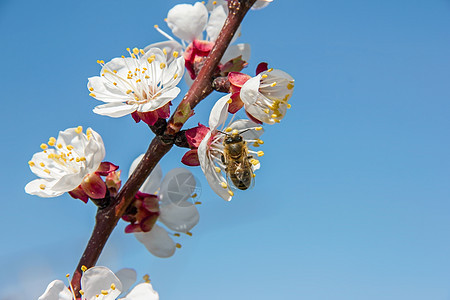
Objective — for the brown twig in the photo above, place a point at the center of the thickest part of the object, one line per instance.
(107, 218)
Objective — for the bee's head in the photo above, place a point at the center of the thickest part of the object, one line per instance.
(233, 137)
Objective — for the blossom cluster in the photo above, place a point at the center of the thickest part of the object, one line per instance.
(144, 85)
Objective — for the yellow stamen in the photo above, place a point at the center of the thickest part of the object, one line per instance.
(164, 51)
(266, 110)
(217, 169)
(150, 60)
(289, 105)
(136, 51)
(67, 275)
(162, 65)
(254, 161)
(264, 76)
(104, 292)
(258, 128)
(132, 55)
(146, 278)
(115, 83)
(42, 164)
(178, 245)
(31, 164)
(142, 51)
(81, 292)
(47, 171)
(156, 26)
(59, 145)
(194, 195)
(260, 153)
(235, 132)
(92, 95)
(189, 233)
(197, 203)
(91, 89)
(42, 186)
(290, 86)
(175, 76)
(114, 71)
(52, 141)
(231, 193)
(176, 234)
(228, 129)
(69, 147)
(113, 286)
(270, 70)
(274, 116)
(44, 146)
(175, 54)
(129, 91)
(224, 185)
(83, 268)
(260, 141)
(229, 101)
(253, 175)
(273, 84)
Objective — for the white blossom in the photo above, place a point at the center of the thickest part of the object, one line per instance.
(266, 95)
(199, 22)
(62, 168)
(100, 283)
(144, 82)
(211, 148)
(175, 211)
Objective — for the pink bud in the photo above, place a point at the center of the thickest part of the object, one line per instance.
(78, 193)
(94, 186)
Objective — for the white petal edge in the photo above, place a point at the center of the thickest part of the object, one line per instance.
(142, 291)
(157, 242)
(182, 217)
(153, 181)
(187, 21)
(96, 279)
(56, 290)
(219, 112)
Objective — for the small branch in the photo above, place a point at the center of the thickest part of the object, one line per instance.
(202, 85)
(107, 218)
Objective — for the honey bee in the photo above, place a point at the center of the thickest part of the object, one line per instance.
(237, 161)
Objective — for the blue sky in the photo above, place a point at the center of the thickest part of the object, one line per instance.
(351, 202)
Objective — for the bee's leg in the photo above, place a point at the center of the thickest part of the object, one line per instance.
(222, 158)
(250, 156)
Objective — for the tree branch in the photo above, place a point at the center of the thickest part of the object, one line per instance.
(107, 218)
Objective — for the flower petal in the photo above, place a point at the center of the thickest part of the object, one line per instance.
(187, 21)
(56, 290)
(234, 51)
(181, 217)
(153, 181)
(157, 241)
(169, 46)
(219, 112)
(261, 4)
(215, 23)
(142, 291)
(190, 158)
(127, 277)
(114, 109)
(42, 188)
(177, 186)
(214, 179)
(96, 279)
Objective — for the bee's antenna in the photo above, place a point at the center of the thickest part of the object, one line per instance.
(245, 130)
